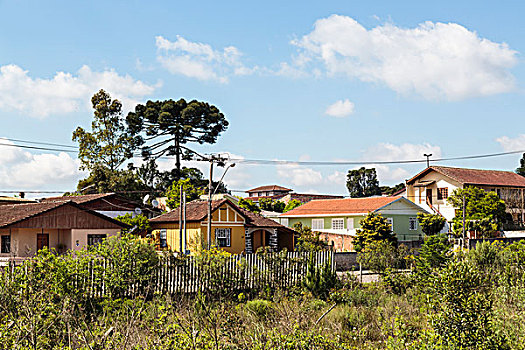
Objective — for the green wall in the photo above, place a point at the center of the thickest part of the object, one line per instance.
(400, 224)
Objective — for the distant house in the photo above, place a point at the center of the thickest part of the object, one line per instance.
(284, 194)
(27, 228)
(234, 229)
(109, 204)
(267, 191)
(338, 219)
(432, 186)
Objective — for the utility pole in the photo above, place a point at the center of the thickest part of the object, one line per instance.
(180, 220)
(184, 237)
(210, 183)
(464, 234)
(214, 158)
(428, 158)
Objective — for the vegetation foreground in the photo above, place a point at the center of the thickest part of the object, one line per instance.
(461, 300)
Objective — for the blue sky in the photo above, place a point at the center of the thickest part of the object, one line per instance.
(333, 80)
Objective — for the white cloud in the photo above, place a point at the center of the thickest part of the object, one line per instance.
(298, 175)
(512, 144)
(405, 151)
(65, 92)
(20, 169)
(435, 60)
(340, 109)
(199, 60)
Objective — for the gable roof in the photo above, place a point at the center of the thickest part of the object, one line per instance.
(269, 188)
(467, 176)
(16, 213)
(332, 207)
(195, 211)
(198, 211)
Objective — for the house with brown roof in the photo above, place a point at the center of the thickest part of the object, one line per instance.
(275, 192)
(27, 228)
(233, 229)
(109, 204)
(338, 219)
(432, 186)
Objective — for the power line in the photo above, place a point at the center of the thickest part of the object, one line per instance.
(274, 161)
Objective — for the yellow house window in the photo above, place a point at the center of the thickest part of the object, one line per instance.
(163, 237)
(223, 236)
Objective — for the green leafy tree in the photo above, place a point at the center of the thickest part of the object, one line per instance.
(362, 183)
(103, 180)
(390, 190)
(383, 255)
(166, 127)
(308, 240)
(521, 169)
(107, 145)
(192, 192)
(271, 205)
(294, 203)
(374, 227)
(140, 221)
(434, 252)
(484, 211)
(249, 205)
(431, 224)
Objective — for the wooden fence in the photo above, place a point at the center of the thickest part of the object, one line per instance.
(175, 275)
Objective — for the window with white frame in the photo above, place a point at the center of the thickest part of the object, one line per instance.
(390, 223)
(338, 224)
(412, 223)
(163, 238)
(223, 237)
(350, 223)
(317, 224)
(284, 222)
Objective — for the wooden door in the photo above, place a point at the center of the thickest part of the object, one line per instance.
(42, 240)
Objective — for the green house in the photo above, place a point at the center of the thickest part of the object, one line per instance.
(341, 217)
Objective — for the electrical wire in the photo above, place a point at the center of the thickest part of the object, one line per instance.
(275, 161)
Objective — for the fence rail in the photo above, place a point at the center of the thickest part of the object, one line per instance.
(175, 275)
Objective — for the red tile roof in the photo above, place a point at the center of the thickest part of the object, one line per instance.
(341, 206)
(268, 188)
(476, 176)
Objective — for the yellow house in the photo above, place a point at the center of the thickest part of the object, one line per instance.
(233, 229)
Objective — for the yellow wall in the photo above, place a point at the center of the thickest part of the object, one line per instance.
(196, 232)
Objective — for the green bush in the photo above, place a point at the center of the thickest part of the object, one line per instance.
(259, 307)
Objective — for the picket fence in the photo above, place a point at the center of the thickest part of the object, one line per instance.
(235, 273)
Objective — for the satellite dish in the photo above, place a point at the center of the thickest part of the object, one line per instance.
(138, 211)
(155, 203)
(145, 199)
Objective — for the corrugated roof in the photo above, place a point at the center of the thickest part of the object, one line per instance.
(268, 188)
(79, 199)
(341, 206)
(477, 176)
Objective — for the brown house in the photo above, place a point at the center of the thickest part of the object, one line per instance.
(234, 229)
(27, 228)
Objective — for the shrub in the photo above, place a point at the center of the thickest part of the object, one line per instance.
(259, 307)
